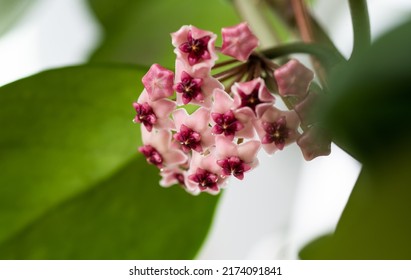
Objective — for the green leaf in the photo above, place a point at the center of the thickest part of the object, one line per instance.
(317, 249)
(375, 223)
(71, 182)
(368, 108)
(139, 31)
(11, 11)
(368, 113)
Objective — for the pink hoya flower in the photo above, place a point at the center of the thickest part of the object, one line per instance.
(190, 88)
(193, 132)
(236, 159)
(293, 79)
(276, 129)
(306, 108)
(238, 41)
(158, 82)
(158, 149)
(194, 87)
(171, 176)
(195, 47)
(204, 174)
(153, 113)
(227, 122)
(314, 142)
(252, 98)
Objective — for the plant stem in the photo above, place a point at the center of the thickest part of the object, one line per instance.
(326, 55)
(361, 25)
(303, 20)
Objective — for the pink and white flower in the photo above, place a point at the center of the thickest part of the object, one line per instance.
(226, 121)
(277, 129)
(252, 98)
(172, 175)
(193, 131)
(195, 87)
(204, 174)
(158, 150)
(236, 159)
(153, 113)
(195, 47)
(200, 151)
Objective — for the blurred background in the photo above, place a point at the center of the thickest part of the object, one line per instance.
(253, 220)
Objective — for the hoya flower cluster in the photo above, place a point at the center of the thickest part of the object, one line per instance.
(201, 128)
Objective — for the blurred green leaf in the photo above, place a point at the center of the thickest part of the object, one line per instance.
(11, 11)
(368, 108)
(318, 249)
(71, 182)
(139, 31)
(375, 223)
(368, 114)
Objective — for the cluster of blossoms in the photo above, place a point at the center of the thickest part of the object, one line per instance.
(227, 125)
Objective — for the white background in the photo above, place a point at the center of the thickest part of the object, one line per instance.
(279, 206)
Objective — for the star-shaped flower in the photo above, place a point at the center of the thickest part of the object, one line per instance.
(252, 98)
(204, 174)
(193, 131)
(236, 159)
(153, 113)
(195, 47)
(238, 41)
(158, 149)
(195, 87)
(171, 176)
(276, 129)
(226, 121)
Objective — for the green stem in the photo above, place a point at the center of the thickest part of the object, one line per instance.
(326, 55)
(361, 25)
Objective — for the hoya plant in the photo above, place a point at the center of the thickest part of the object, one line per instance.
(183, 95)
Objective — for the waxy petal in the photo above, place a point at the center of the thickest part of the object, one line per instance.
(307, 108)
(293, 79)
(161, 141)
(158, 82)
(238, 41)
(314, 142)
(222, 101)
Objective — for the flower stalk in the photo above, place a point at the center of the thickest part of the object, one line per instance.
(361, 25)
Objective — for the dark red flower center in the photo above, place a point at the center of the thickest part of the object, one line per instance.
(205, 179)
(189, 87)
(145, 115)
(189, 139)
(152, 155)
(233, 166)
(277, 132)
(250, 100)
(180, 178)
(226, 123)
(196, 48)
